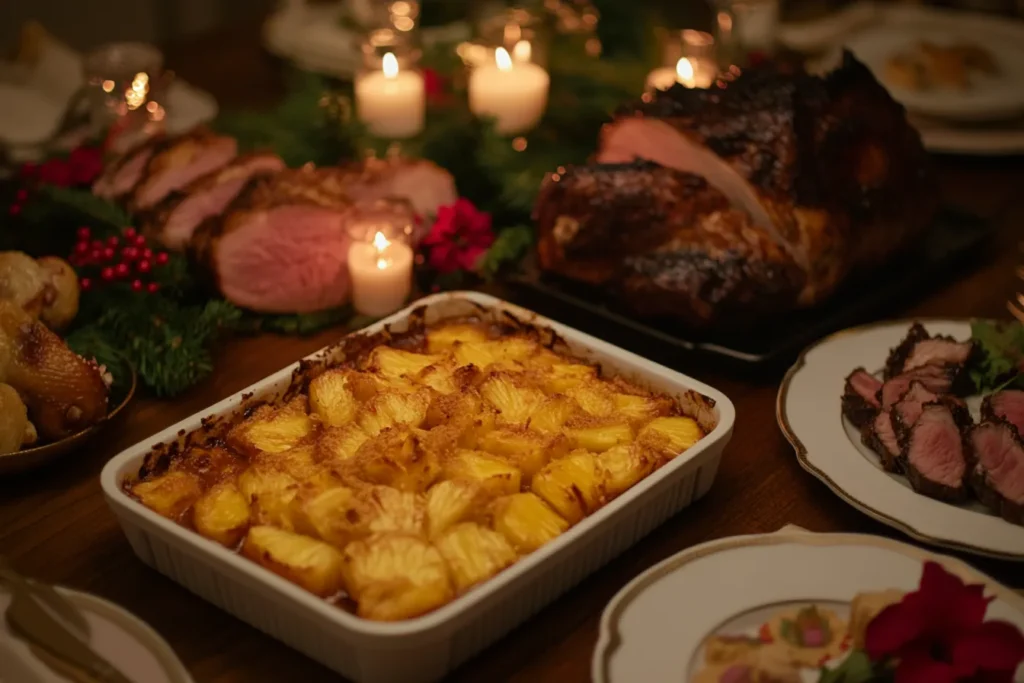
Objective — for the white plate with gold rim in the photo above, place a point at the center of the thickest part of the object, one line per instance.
(654, 630)
(829, 447)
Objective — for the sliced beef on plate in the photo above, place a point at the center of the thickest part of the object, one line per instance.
(934, 378)
(178, 163)
(908, 409)
(1005, 405)
(860, 397)
(880, 436)
(935, 456)
(424, 184)
(122, 174)
(919, 349)
(174, 220)
(282, 244)
(998, 474)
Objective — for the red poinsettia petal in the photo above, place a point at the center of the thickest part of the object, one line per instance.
(951, 606)
(444, 258)
(995, 646)
(470, 257)
(895, 627)
(917, 666)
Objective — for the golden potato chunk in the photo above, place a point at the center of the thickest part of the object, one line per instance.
(451, 502)
(551, 415)
(443, 338)
(514, 401)
(527, 450)
(574, 485)
(396, 576)
(331, 399)
(561, 377)
(474, 553)
(338, 444)
(395, 458)
(312, 564)
(393, 408)
(594, 397)
(638, 410)
(396, 363)
(170, 495)
(526, 521)
(598, 435)
(670, 436)
(270, 493)
(625, 465)
(272, 430)
(222, 514)
(495, 475)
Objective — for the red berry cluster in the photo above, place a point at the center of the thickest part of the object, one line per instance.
(117, 258)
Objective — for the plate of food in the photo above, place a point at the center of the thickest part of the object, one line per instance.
(943, 71)
(51, 398)
(796, 607)
(918, 424)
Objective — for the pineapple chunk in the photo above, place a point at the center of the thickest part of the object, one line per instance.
(561, 377)
(444, 338)
(625, 465)
(477, 354)
(514, 401)
(338, 444)
(392, 510)
(551, 415)
(446, 410)
(331, 399)
(337, 515)
(670, 436)
(527, 450)
(444, 376)
(474, 554)
(639, 410)
(272, 430)
(594, 397)
(170, 495)
(495, 475)
(270, 493)
(222, 514)
(573, 485)
(396, 576)
(514, 349)
(365, 385)
(297, 462)
(212, 464)
(312, 564)
(451, 502)
(395, 458)
(396, 363)
(526, 521)
(598, 435)
(393, 408)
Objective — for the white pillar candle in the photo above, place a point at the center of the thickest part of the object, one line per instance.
(515, 94)
(391, 103)
(381, 273)
(686, 72)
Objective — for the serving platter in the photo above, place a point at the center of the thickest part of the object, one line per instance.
(827, 445)
(654, 630)
(951, 241)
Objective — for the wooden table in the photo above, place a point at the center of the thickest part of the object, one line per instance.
(55, 525)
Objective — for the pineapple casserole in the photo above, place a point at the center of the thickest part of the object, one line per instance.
(401, 478)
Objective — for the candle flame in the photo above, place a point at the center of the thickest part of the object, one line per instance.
(522, 51)
(684, 69)
(390, 68)
(503, 60)
(380, 242)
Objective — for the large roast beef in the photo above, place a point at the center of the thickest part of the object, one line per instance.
(729, 205)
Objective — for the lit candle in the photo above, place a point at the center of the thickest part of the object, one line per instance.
(391, 102)
(381, 273)
(515, 94)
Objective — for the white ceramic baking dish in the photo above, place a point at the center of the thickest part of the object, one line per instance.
(426, 648)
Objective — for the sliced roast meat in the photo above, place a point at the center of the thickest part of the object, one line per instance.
(998, 475)
(121, 175)
(908, 409)
(934, 378)
(174, 220)
(181, 161)
(424, 184)
(880, 436)
(935, 456)
(1005, 405)
(860, 397)
(920, 349)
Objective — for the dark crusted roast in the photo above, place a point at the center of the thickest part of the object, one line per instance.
(997, 476)
(860, 397)
(820, 177)
(934, 378)
(919, 349)
(880, 436)
(1005, 405)
(934, 455)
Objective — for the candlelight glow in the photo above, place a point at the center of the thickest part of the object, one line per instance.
(390, 71)
(503, 60)
(108, 86)
(136, 94)
(380, 241)
(685, 70)
(522, 51)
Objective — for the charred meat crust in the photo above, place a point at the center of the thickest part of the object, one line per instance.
(979, 479)
(857, 409)
(870, 438)
(898, 356)
(920, 482)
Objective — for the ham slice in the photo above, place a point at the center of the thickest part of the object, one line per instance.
(177, 217)
(998, 476)
(182, 161)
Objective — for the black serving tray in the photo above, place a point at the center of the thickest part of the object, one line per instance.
(954, 239)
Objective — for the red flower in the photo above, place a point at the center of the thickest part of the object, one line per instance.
(54, 172)
(81, 167)
(435, 85)
(938, 634)
(86, 164)
(459, 237)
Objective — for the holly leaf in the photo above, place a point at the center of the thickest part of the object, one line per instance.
(857, 668)
(1002, 354)
(509, 248)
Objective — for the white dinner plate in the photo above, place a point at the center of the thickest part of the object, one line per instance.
(655, 628)
(810, 415)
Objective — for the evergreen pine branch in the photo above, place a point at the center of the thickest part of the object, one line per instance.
(508, 249)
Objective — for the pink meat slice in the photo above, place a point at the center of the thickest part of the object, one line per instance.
(1000, 455)
(937, 352)
(935, 448)
(124, 175)
(909, 408)
(1009, 405)
(210, 195)
(887, 434)
(865, 385)
(186, 160)
(934, 378)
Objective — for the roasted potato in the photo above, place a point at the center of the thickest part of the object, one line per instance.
(526, 521)
(61, 302)
(14, 423)
(474, 553)
(316, 566)
(222, 514)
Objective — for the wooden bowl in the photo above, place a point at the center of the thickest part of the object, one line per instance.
(27, 458)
